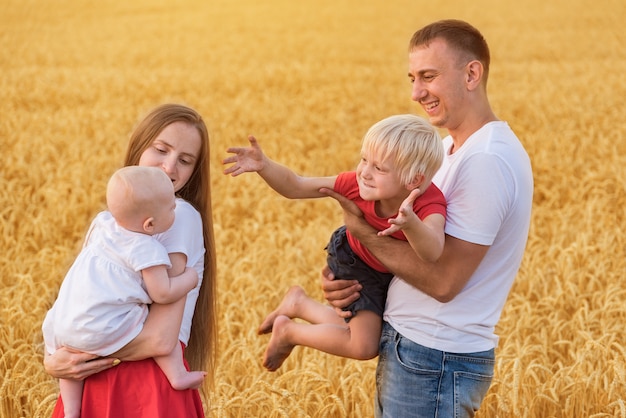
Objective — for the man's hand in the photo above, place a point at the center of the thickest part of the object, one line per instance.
(349, 207)
(353, 217)
(339, 293)
(75, 365)
(250, 159)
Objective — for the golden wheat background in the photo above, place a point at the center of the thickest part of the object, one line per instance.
(308, 78)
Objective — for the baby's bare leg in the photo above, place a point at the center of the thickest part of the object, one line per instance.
(72, 395)
(297, 304)
(175, 371)
(358, 340)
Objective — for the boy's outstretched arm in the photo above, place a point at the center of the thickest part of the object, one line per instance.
(280, 178)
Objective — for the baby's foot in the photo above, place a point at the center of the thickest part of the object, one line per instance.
(188, 380)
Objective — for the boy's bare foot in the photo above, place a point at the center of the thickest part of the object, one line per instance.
(288, 307)
(278, 349)
(188, 380)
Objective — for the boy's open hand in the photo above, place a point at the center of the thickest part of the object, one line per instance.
(405, 215)
(245, 160)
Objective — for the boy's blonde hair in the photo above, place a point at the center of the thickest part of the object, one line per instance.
(409, 142)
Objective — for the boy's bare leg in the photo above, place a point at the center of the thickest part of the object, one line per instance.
(174, 368)
(358, 340)
(297, 304)
(72, 395)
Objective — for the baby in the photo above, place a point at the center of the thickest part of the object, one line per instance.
(121, 269)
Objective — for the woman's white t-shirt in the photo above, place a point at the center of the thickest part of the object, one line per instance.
(185, 237)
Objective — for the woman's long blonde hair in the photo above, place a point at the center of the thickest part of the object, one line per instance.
(203, 340)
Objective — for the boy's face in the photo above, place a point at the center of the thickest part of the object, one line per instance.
(378, 180)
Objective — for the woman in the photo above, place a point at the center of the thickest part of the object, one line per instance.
(175, 139)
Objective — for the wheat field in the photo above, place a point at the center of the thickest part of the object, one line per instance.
(308, 78)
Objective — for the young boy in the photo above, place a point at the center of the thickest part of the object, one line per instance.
(103, 300)
(392, 187)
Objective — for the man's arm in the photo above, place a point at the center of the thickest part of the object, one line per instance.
(338, 292)
(442, 279)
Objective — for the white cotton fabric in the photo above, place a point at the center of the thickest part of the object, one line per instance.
(103, 303)
(488, 185)
(185, 237)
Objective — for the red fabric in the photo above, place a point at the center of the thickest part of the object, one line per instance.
(135, 389)
(430, 202)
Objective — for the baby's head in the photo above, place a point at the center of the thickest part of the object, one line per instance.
(141, 199)
(409, 143)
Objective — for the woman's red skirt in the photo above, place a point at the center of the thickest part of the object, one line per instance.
(135, 389)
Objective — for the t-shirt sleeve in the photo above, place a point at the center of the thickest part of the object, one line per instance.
(346, 185)
(429, 203)
(479, 201)
(146, 252)
(185, 235)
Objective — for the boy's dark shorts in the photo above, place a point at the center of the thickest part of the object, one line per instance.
(345, 264)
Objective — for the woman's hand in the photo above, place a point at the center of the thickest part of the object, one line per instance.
(76, 365)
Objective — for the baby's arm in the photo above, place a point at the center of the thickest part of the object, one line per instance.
(278, 177)
(164, 289)
(426, 237)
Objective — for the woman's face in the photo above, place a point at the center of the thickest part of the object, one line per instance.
(175, 150)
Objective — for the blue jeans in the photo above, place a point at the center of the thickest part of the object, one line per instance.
(415, 381)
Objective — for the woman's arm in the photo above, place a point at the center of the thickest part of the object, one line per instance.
(68, 364)
(160, 332)
(158, 337)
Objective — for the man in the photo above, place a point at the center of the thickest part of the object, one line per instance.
(437, 347)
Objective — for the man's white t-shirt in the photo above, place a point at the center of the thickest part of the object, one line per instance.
(488, 185)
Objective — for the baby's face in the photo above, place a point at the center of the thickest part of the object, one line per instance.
(164, 216)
